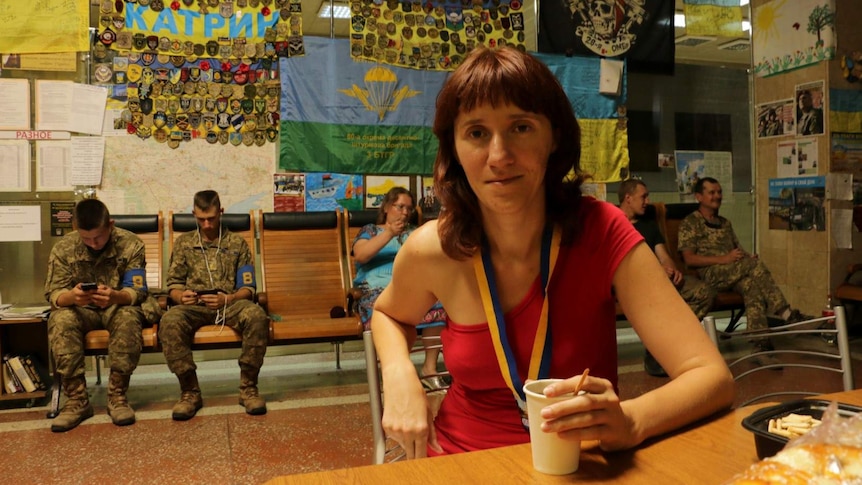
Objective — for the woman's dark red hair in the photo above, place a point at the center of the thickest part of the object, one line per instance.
(497, 78)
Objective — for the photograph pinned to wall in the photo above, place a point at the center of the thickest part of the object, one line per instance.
(597, 191)
(329, 191)
(806, 151)
(376, 187)
(776, 118)
(692, 165)
(810, 99)
(846, 153)
(428, 201)
(666, 160)
(288, 192)
(797, 204)
(788, 35)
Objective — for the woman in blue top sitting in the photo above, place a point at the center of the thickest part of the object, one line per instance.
(374, 251)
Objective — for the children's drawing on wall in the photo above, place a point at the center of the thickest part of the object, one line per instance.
(788, 35)
(328, 191)
(692, 165)
(810, 99)
(796, 204)
(776, 118)
(288, 192)
(429, 203)
(377, 185)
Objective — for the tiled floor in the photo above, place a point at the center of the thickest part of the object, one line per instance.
(318, 419)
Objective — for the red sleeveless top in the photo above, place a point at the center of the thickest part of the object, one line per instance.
(479, 410)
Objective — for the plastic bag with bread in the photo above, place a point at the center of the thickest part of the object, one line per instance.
(829, 454)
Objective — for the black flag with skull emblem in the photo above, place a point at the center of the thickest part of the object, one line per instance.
(640, 31)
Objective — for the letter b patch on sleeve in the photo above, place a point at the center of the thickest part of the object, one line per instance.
(135, 278)
(245, 277)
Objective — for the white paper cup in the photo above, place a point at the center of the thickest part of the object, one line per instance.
(551, 454)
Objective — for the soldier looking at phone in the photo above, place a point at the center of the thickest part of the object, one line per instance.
(212, 281)
(96, 280)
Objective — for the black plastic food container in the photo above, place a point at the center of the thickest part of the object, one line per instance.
(768, 444)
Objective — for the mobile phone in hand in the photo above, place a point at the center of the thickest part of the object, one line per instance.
(89, 286)
(207, 292)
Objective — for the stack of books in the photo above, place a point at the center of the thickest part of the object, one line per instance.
(23, 374)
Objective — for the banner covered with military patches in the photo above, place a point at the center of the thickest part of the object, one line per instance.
(604, 135)
(203, 28)
(208, 69)
(641, 31)
(432, 34)
(347, 116)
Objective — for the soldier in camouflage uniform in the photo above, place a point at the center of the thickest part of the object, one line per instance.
(707, 242)
(634, 197)
(96, 252)
(212, 258)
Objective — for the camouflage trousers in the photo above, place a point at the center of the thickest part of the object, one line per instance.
(68, 325)
(698, 295)
(750, 278)
(177, 329)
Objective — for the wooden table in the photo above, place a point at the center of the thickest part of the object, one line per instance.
(709, 452)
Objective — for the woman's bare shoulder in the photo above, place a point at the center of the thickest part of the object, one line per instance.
(425, 240)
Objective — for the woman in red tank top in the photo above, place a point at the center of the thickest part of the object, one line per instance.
(516, 236)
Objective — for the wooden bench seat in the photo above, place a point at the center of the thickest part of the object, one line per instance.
(304, 279)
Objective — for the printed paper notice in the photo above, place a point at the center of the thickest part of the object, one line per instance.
(842, 228)
(87, 154)
(14, 166)
(60, 61)
(53, 166)
(53, 105)
(88, 108)
(67, 106)
(14, 104)
(788, 165)
(20, 223)
(839, 186)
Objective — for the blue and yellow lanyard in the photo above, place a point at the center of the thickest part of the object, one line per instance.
(540, 359)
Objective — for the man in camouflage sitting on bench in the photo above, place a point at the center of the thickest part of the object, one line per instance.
(212, 281)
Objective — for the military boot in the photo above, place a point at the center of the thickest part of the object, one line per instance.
(190, 400)
(248, 394)
(77, 407)
(118, 406)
